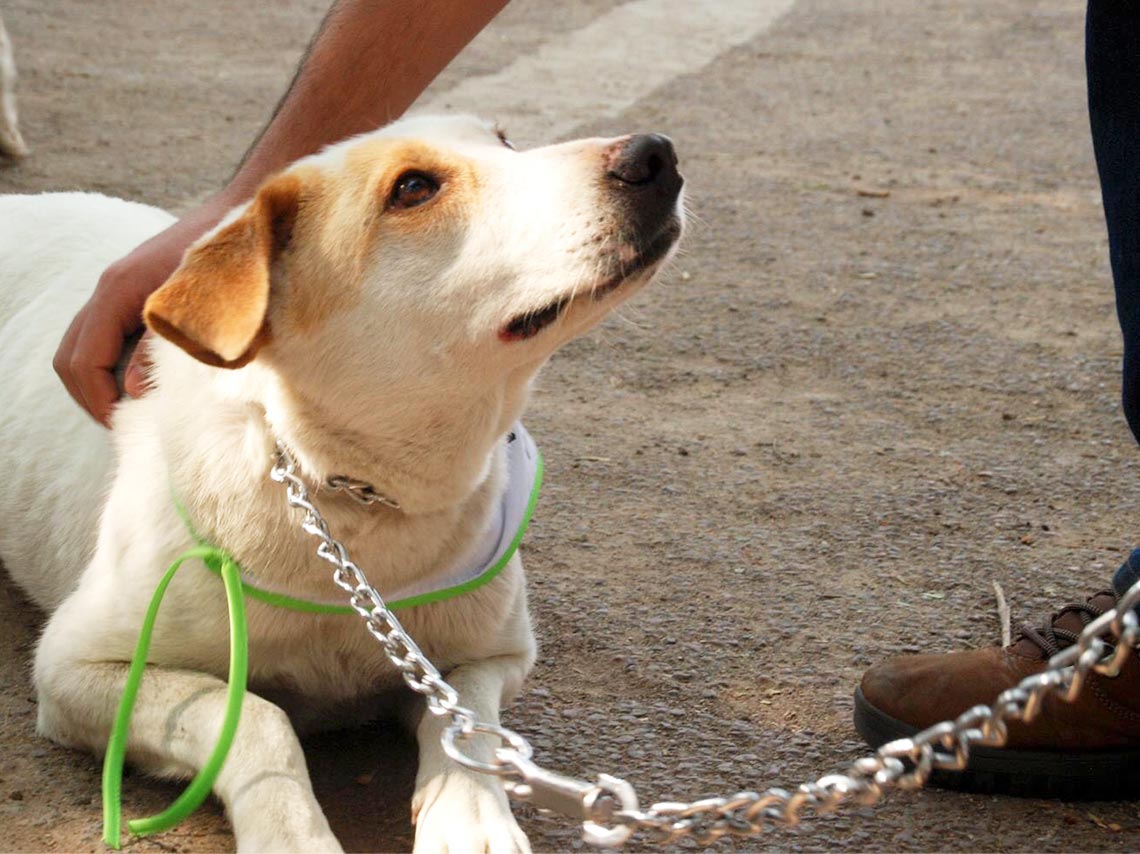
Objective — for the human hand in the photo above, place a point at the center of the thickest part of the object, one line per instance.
(93, 344)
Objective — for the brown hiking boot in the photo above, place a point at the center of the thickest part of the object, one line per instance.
(1088, 749)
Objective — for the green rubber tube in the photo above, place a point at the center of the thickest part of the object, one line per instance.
(199, 788)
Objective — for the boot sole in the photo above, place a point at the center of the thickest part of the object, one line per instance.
(1086, 775)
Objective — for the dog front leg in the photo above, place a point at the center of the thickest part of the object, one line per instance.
(457, 810)
(264, 782)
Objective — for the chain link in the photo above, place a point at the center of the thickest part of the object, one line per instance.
(608, 808)
(360, 491)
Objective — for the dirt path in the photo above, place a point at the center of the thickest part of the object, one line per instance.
(816, 444)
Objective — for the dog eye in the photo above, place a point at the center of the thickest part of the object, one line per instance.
(412, 189)
(502, 135)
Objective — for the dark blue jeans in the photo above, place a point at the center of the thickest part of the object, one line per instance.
(1112, 60)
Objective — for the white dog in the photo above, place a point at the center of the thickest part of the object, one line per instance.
(380, 309)
(11, 143)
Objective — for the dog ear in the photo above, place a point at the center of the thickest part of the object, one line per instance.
(214, 306)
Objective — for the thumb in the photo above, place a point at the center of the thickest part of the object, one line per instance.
(136, 380)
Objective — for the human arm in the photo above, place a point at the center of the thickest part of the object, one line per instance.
(367, 64)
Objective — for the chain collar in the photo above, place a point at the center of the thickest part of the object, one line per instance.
(365, 493)
(359, 491)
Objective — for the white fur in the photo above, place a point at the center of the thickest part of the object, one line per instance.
(411, 389)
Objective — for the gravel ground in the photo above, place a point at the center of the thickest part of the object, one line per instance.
(882, 376)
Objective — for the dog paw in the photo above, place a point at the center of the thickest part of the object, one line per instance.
(456, 838)
(460, 815)
(277, 825)
(261, 843)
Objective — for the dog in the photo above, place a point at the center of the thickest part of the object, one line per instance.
(11, 142)
(381, 309)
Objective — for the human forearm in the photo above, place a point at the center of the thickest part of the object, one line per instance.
(370, 60)
(367, 64)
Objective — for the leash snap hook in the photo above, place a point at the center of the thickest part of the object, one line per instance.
(594, 804)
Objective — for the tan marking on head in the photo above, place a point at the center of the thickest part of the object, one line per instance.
(345, 212)
(214, 305)
(321, 225)
(324, 264)
(379, 163)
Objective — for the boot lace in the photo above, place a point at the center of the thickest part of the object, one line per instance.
(1053, 638)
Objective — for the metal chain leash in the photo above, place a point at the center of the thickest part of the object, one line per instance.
(608, 807)
(420, 674)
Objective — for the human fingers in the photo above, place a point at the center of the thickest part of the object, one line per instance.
(94, 356)
(112, 313)
(136, 380)
(61, 363)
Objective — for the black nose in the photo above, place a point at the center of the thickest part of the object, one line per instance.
(646, 159)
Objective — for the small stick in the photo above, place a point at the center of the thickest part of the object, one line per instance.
(1003, 615)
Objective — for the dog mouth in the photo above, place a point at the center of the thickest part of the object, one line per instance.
(530, 323)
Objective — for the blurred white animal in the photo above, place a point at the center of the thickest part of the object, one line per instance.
(11, 143)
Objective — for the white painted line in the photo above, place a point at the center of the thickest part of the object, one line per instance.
(608, 65)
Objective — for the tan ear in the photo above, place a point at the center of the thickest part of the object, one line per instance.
(214, 305)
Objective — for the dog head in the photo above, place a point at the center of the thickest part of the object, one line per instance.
(410, 278)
